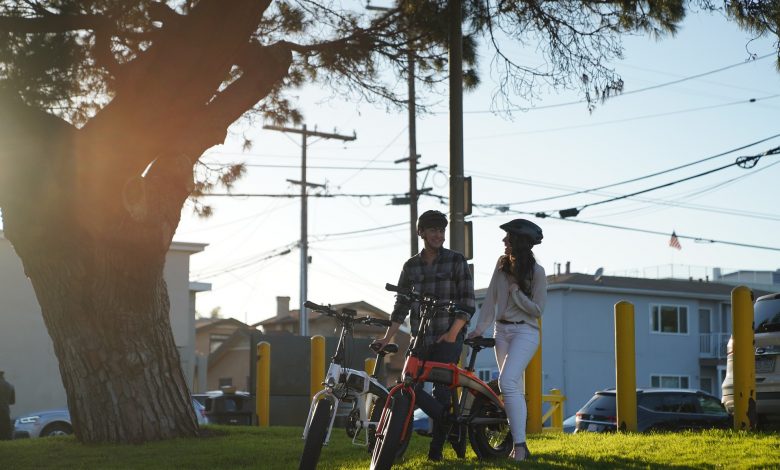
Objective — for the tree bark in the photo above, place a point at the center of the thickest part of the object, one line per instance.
(106, 309)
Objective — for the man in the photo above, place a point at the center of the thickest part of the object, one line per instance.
(7, 398)
(445, 274)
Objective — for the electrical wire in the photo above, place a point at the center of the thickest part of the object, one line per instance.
(632, 92)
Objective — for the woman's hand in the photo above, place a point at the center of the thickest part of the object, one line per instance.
(513, 287)
(474, 334)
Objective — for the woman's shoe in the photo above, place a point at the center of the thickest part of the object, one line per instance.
(520, 452)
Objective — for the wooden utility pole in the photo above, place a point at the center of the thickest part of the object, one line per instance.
(304, 242)
(457, 200)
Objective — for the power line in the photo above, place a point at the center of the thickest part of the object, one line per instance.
(638, 90)
(653, 232)
(323, 195)
(632, 180)
(741, 162)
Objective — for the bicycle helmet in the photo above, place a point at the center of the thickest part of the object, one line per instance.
(431, 219)
(524, 228)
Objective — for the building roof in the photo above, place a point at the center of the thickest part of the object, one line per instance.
(679, 287)
(294, 316)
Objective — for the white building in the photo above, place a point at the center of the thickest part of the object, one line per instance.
(26, 350)
(682, 327)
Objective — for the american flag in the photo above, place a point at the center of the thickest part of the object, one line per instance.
(674, 242)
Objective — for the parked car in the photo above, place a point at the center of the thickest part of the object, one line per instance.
(766, 319)
(57, 422)
(228, 406)
(658, 409)
(570, 424)
(422, 423)
(43, 424)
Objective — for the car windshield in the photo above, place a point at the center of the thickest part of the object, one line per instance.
(767, 315)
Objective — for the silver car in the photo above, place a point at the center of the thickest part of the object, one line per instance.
(57, 422)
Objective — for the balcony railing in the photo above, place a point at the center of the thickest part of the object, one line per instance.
(713, 344)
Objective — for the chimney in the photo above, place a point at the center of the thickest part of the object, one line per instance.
(568, 267)
(282, 306)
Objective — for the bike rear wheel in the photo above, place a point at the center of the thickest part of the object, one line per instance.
(315, 438)
(490, 441)
(388, 438)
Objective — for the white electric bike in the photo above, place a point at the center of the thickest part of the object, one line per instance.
(344, 385)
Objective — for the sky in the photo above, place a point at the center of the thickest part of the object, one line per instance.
(686, 98)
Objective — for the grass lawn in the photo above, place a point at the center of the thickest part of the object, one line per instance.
(280, 447)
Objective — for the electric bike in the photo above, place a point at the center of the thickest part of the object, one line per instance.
(478, 412)
(344, 385)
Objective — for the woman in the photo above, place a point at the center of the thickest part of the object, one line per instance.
(514, 302)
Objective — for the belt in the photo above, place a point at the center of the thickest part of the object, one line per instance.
(507, 322)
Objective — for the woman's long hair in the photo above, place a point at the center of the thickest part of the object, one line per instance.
(520, 264)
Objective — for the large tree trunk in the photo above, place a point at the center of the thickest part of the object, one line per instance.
(108, 320)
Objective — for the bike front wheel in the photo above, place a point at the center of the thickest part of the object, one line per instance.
(388, 437)
(376, 415)
(490, 441)
(315, 438)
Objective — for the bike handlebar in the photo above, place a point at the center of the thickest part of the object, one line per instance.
(413, 296)
(346, 316)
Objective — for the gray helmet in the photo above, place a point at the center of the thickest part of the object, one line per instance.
(524, 228)
(431, 219)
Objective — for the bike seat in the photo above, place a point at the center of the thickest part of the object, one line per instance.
(481, 342)
(390, 348)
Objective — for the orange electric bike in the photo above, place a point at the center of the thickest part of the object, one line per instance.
(477, 414)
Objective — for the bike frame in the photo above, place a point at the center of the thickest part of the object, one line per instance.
(418, 370)
(351, 385)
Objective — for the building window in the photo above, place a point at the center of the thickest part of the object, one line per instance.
(485, 375)
(216, 340)
(669, 381)
(669, 319)
(705, 384)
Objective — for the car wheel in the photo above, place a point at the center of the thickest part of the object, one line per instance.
(57, 429)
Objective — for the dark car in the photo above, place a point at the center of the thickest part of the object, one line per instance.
(658, 409)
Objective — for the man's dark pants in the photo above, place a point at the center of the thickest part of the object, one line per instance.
(437, 405)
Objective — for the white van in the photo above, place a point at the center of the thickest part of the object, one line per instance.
(766, 321)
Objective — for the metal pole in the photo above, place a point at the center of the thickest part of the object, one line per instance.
(304, 314)
(744, 359)
(412, 154)
(457, 238)
(625, 366)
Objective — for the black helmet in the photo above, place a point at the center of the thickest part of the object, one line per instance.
(431, 219)
(524, 228)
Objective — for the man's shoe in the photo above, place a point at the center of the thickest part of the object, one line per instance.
(434, 455)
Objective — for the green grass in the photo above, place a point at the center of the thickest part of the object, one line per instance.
(280, 448)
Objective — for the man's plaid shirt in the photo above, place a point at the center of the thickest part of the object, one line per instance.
(447, 278)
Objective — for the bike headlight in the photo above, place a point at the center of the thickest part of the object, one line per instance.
(29, 419)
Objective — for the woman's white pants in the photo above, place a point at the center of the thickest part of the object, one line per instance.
(515, 347)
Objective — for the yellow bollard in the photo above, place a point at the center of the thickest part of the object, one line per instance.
(533, 389)
(625, 366)
(370, 365)
(317, 364)
(263, 385)
(744, 359)
(557, 404)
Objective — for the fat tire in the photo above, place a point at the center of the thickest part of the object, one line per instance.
(376, 415)
(388, 441)
(492, 441)
(315, 438)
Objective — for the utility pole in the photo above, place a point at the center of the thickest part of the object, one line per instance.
(457, 200)
(413, 157)
(304, 242)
